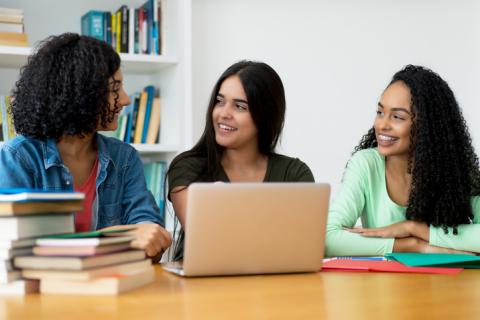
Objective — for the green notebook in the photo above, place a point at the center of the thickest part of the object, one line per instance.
(436, 260)
(89, 234)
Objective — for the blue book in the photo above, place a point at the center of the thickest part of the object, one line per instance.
(93, 24)
(25, 194)
(107, 25)
(148, 111)
(148, 6)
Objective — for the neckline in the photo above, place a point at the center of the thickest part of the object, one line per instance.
(384, 181)
(265, 178)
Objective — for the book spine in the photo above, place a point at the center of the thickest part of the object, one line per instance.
(93, 25)
(136, 46)
(150, 90)
(125, 31)
(108, 27)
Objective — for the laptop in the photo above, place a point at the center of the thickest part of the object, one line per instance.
(253, 228)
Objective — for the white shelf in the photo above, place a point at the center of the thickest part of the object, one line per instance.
(149, 149)
(155, 148)
(16, 57)
(13, 57)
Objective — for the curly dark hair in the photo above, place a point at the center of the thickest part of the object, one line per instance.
(444, 166)
(64, 88)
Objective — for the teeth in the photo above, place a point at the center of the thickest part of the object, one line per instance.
(386, 138)
(225, 127)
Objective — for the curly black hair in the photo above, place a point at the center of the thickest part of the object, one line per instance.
(444, 166)
(64, 88)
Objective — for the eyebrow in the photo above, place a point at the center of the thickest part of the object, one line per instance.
(236, 100)
(395, 109)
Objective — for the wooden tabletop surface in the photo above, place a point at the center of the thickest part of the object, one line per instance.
(324, 295)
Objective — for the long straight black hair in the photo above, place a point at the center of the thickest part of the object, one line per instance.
(266, 102)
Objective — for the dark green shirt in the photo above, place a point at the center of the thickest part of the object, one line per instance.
(280, 168)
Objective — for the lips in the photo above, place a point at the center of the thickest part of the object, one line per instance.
(386, 140)
(226, 128)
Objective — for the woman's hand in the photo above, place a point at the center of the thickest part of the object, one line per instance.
(412, 244)
(402, 229)
(397, 230)
(148, 236)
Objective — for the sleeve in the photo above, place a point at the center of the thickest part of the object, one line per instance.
(345, 210)
(302, 173)
(138, 202)
(467, 238)
(15, 171)
(183, 173)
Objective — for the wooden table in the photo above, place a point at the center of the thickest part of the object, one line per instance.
(324, 295)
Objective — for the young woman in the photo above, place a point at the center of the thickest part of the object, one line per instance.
(414, 178)
(243, 124)
(71, 88)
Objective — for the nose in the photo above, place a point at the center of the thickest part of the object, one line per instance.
(124, 99)
(384, 123)
(226, 110)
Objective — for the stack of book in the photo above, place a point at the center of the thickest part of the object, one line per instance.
(7, 131)
(12, 31)
(88, 263)
(128, 30)
(25, 215)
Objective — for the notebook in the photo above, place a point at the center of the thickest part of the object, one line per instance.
(253, 228)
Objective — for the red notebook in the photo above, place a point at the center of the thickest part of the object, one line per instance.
(381, 266)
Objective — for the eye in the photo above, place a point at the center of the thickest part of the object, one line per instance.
(241, 106)
(219, 101)
(380, 113)
(398, 117)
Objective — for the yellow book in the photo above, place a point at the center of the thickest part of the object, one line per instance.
(118, 37)
(142, 106)
(13, 39)
(154, 125)
(114, 31)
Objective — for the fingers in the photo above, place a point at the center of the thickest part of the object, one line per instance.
(354, 230)
(152, 238)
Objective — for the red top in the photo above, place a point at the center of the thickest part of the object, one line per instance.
(83, 219)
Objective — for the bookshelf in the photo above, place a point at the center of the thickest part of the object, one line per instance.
(171, 72)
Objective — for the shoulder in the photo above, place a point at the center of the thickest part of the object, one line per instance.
(289, 169)
(23, 145)
(280, 159)
(185, 169)
(366, 159)
(187, 165)
(117, 149)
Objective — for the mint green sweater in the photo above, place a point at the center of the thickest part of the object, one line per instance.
(364, 195)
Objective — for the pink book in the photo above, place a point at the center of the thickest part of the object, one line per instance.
(381, 266)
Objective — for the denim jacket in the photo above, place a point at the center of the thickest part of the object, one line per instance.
(122, 196)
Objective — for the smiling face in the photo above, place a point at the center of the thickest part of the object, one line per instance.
(232, 121)
(393, 122)
(116, 89)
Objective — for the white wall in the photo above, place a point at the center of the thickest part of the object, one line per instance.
(335, 58)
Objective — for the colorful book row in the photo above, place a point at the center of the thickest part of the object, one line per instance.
(139, 122)
(128, 30)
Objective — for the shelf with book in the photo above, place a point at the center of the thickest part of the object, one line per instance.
(16, 57)
(170, 72)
